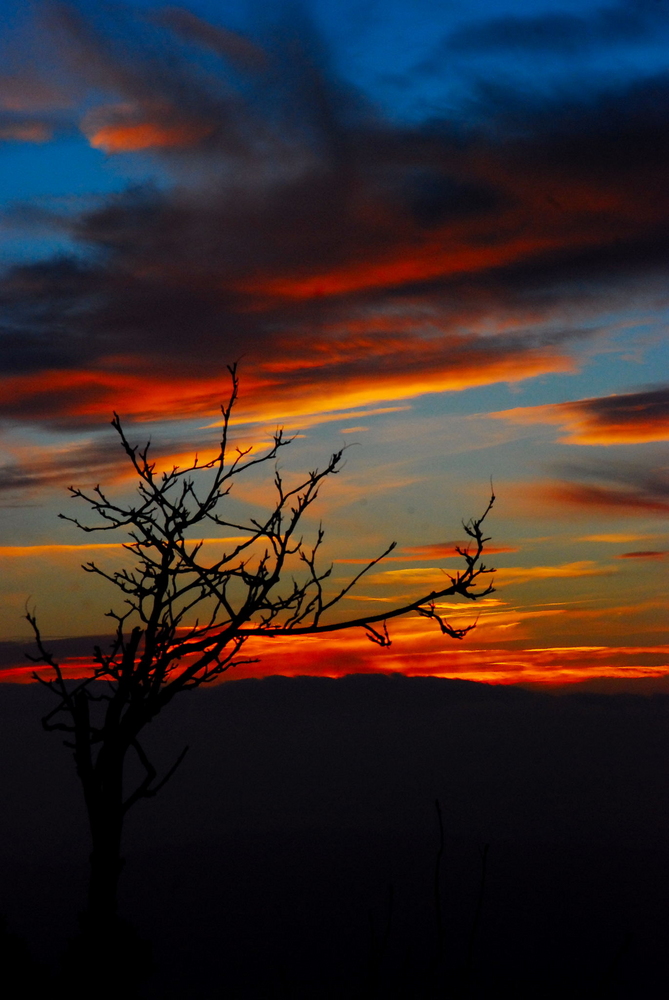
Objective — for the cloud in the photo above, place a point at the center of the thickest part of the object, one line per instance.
(617, 537)
(619, 488)
(559, 33)
(161, 96)
(27, 92)
(233, 46)
(435, 579)
(99, 458)
(88, 550)
(573, 570)
(648, 554)
(122, 365)
(35, 467)
(416, 652)
(349, 260)
(443, 550)
(24, 130)
(625, 418)
(122, 129)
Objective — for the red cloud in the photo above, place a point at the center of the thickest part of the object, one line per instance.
(430, 260)
(445, 549)
(650, 554)
(417, 653)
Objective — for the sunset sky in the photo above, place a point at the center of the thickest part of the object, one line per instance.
(434, 231)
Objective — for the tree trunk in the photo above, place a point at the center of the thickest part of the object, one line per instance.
(107, 960)
(105, 813)
(106, 864)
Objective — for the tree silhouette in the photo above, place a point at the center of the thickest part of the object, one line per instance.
(186, 618)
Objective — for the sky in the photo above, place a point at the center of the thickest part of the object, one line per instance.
(435, 233)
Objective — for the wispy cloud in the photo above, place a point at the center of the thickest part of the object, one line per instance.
(438, 550)
(617, 537)
(627, 418)
(611, 487)
(438, 577)
(615, 488)
(646, 554)
(58, 549)
(414, 653)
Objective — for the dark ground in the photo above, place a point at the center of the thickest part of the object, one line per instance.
(293, 855)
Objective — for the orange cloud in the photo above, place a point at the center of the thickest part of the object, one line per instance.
(408, 368)
(57, 549)
(338, 390)
(143, 124)
(524, 574)
(147, 135)
(417, 653)
(444, 550)
(506, 575)
(616, 537)
(628, 418)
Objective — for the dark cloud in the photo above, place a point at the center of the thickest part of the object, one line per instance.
(22, 128)
(632, 416)
(325, 245)
(434, 198)
(100, 460)
(630, 407)
(614, 487)
(560, 33)
(230, 44)
(101, 457)
(13, 654)
(26, 91)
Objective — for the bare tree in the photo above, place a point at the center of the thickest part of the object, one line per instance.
(186, 617)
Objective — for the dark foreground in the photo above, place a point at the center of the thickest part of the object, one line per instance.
(294, 854)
